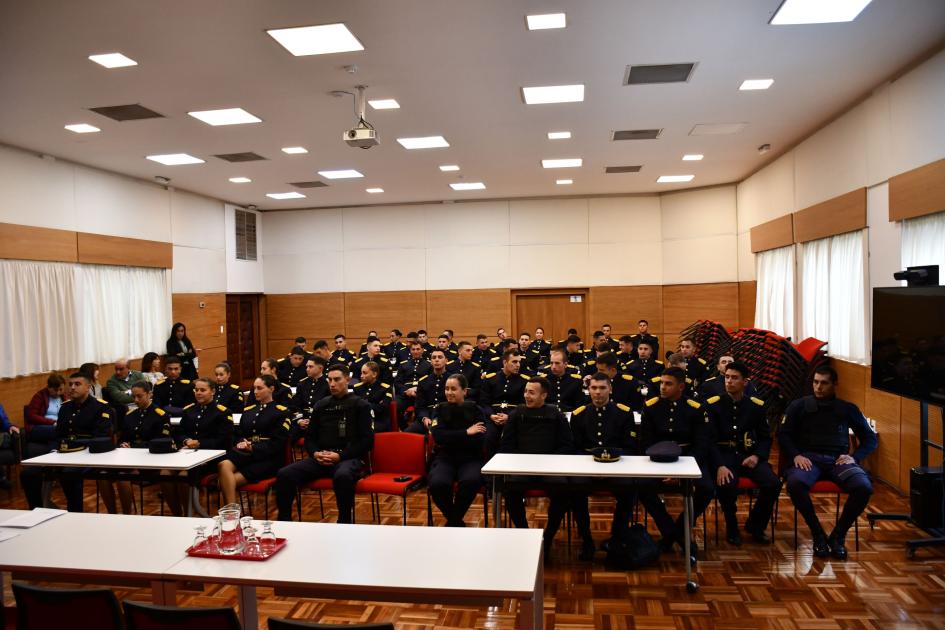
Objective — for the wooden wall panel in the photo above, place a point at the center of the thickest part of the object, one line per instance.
(884, 409)
(623, 307)
(773, 234)
(383, 310)
(852, 382)
(845, 213)
(468, 312)
(206, 326)
(747, 291)
(685, 303)
(23, 242)
(313, 315)
(918, 192)
(116, 250)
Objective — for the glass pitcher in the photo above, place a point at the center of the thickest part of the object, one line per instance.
(231, 534)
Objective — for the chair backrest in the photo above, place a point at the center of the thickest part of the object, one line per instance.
(293, 624)
(396, 452)
(42, 607)
(394, 426)
(140, 616)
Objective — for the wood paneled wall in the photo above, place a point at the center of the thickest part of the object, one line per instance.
(311, 315)
(623, 307)
(206, 326)
(23, 242)
(384, 310)
(747, 292)
(773, 234)
(839, 215)
(918, 192)
(468, 312)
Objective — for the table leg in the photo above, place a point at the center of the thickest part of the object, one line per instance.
(193, 506)
(164, 593)
(691, 585)
(248, 616)
(496, 502)
(531, 612)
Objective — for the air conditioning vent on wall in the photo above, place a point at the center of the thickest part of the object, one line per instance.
(245, 235)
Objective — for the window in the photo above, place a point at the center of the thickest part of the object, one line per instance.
(923, 242)
(774, 301)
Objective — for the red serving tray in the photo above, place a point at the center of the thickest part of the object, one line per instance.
(203, 551)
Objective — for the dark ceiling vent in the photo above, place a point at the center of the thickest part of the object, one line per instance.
(666, 73)
(637, 134)
(247, 156)
(312, 184)
(122, 113)
(622, 169)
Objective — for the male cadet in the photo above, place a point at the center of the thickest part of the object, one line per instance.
(404, 353)
(499, 346)
(677, 360)
(590, 356)
(537, 428)
(575, 354)
(82, 417)
(321, 349)
(483, 351)
(470, 369)
(431, 391)
(696, 367)
(646, 368)
(610, 424)
(427, 346)
(672, 417)
(443, 343)
(501, 391)
(338, 438)
(449, 335)
(643, 334)
(409, 373)
(740, 445)
(373, 353)
(224, 392)
(625, 388)
(814, 435)
(541, 345)
(531, 358)
(565, 389)
(311, 389)
(376, 393)
(118, 387)
(301, 342)
(291, 370)
(341, 354)
(371, 334)
(625, 354)
(393, 347)
(715, 384)
(612, 344)
(172, 393)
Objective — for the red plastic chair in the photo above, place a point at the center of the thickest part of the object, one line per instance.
(395, 455)
(809, 347)
(263, 486)
(324, 483)
(749, 487)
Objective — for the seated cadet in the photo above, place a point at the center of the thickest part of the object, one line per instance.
(483, 352)
(224, 392)
(259, 451)
(499, 346)
(409, 373)
(625, 388)
(145, 422)
(677, 360)
(404, 353)
(542, 345)
(377, 394)
(565, 389)
(696, 368)
(625, 353)
(470, 369)
(715, 384)
(173, 393)
(341, 354)
(321, 349)
(337, 440)
(646, 368)
(603, 423)
(537, 428)
(501, 392)
(431, 391)
(575, 353)
(740, 443)
(393, 347)
(598, 346)
(643, 335)
(427, 346)
(118, 386)
(82, 417)
(612, 344)
(282, 394)
(531, 358)
(302, 343)
(367, 340)
(41, 415)
(814, 437)
(450, 334)
(495, 363)
(311, 389)
(207, 425)
(673, 417)
(458, 431)
(373, 353)
(290, 370)
(443, 343)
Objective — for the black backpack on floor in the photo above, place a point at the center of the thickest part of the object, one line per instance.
(633, 550)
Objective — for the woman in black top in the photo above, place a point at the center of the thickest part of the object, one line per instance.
(179, 345)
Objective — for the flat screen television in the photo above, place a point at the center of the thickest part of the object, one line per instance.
(909, 342)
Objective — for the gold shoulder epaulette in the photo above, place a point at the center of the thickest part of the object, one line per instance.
(713, 400)
(450, 362)
(578, 410)
(711, 378)
(652, 401)
(235, 386)
(282, 408)
(248, 408)
(474, 363)
(758, 401)
(577, 376)
(423, 377)
(360, 383)
(693, 403)
(283, 384)
(160, 411)
(101, 401)
(655, 379)
(222, 408)
(185, 381)
(160, 381)
(489, 375)
(526, 377)
(282, 360)
(591, 362)
(702, 361)
(189, 406)
(627, 377)
(385, 385)
(623, 407)
(658, 361)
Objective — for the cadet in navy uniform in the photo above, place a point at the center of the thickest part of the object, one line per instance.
(458, 434)
(290, 370)
(282, 394)
(646, 366)
(537, 428)
(715, 385)
(542, 345)
(312, 388)
(425, 343)
(338, 439)
(470, 369)
(377, 394)
(566, 389)
(643, 336)
(814, 435)
(259, 451)
(224, 392)
(373, 353)
(576, 355)
(696, 367)
(443, 343)
(624, 388)
(501, 392)
(531, 358)
(204, 425)
(173, 393)
(625, 354)
(341, 354)
(431, 391)
(612, 344)
(483, 352)
(80, 418)
(672, 417)
(741, 442)
(392, 348)
(603, 423)
(404, 352)
(409, 373)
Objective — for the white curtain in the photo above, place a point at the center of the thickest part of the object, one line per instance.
(813, 272)
(59, 315)
(923, 242)
(774, 299)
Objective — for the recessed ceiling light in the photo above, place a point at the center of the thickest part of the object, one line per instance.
(374, 191)
(113, 60)
(756, 84)
(316, 40)
(286, 195)
(692, 157)
(240, 180)
(384, 103)
(175, 159)
(546, 21)
(817, 11)
(426, 142)
(220, 117)
(468, 186)
(340, 174)
(82, 128)
(553, 94)
(294, 150)
(672, 179)
(449, 167)
(564, 182)
(562, 163)
(559, 135)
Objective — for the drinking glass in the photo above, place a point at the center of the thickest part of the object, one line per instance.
(201, 537)
(267, 540)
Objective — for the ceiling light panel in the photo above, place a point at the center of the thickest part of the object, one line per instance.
(692, 157)
(426, 142)
(756, 84)
(817, 11)
(446, 168)
(294, 150)
(717, 129)
(562, 163)
(673, 179)
(541, 95)
(286, 195)
(384, 103)
(82, 128)
(316, 40)
(374, 191)
(559, 135)
(341, 174)
(221, 117)
(175, 159)
(113, 60)
(468, 186)
(564, 182)
(546, 21)
(240, 180)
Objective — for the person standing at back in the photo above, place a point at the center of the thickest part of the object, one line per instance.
(179, 345)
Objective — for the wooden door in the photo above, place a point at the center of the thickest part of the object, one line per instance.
(554, 310)
(242, 338)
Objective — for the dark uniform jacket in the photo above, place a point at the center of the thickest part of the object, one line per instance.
(473, 373)
(178, 392)
(482, 357)
(140, 426)
(229, 396)
(308, 393)
(610, 425)
(431, 391)
(267, 428)
(378, 395)
(739, 427)
(409, 373)
(383, 363)
(542, 346)
(823, 426)
(82, 421)
(392, 350)
(449, 431)
(344, 425)
(500, 393)
(624, 361)
(696, 369)
(211, 425)
(645, 370)
(654, 342)
(543, 430)
(626, 391)
(289, 374)
(344, 357)
(566, 392)
(281, 395)
(715, 386)
(683, 421)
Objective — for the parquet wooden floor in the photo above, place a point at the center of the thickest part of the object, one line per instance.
(748, 587)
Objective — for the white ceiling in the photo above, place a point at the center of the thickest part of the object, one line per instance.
(456, 68)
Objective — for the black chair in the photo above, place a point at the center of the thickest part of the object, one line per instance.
(293, 624)
(140, 616)
(43, 608)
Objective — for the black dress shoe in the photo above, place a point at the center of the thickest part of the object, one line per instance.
(666, 545)
(734, 538)
(837, 549)
(821, 548)
(759, 536)
(587, 551)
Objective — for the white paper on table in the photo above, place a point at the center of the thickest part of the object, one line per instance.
(31, 518)
(8, 535)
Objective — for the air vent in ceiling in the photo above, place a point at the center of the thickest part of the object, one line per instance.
(637, 134)
(622, 169)
(665, 73)
(122, 113)
(717, 129)
(247, 156)
(245, 235)
(312, 184)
